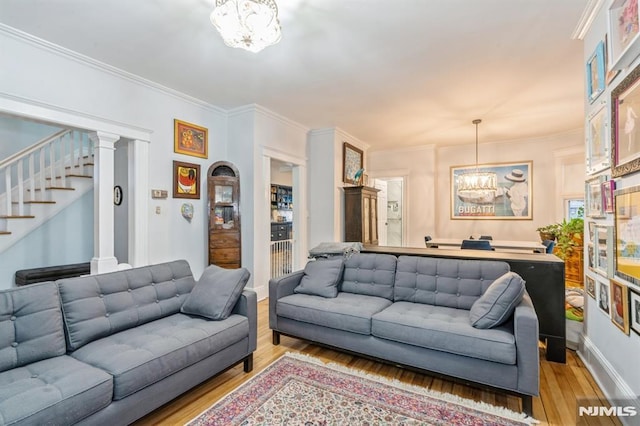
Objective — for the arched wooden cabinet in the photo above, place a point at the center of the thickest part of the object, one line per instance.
(223, 189)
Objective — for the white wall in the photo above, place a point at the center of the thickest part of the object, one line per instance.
(606, 350)
(256, 135)
(281, 174)
(65, 239)
(16, 135)
(326, 197)
(418, 167)
(542, 151)
(427, 171)
(77, 85)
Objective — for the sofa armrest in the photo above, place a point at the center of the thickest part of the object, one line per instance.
(279, 288)
(525, 329)
(247, 305)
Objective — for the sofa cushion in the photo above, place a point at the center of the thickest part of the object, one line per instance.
(444, 329)
(31, 326)
(321, 277)
(347, 311)
(370, 274)
(216, 292)
(99, 305)
(455, 283)
(146, 354)
(499, 301)
(59, 390)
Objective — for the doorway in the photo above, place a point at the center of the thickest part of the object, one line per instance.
(391, 208)
(281, 218)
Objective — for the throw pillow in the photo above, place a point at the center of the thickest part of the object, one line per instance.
(216, 292)
(497, 304)
(321, 277)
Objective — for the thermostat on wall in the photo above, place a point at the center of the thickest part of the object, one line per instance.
(159, 193)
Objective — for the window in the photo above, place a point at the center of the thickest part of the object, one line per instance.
(574, 208)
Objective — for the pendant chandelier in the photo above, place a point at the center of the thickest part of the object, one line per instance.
(247, 24)
(477, 187)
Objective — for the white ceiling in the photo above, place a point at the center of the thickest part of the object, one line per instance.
(391, 73)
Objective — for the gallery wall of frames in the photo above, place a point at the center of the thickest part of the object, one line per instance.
(612, 192)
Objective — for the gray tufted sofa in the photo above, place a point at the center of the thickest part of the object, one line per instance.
(108, 349)
(415, 311)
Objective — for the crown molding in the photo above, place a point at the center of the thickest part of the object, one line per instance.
(104, 67)
(16, 105)
(588, 16)
(416, 148)
(259, 109)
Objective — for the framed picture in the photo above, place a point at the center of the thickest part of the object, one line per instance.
(186, 180)
(352, 161)
(623, 32)
(592, 231)
(627, 234)
(598, 142)
(634, 310)
(591, 254)
(610, 73)
(595, 73)
(513, 199)
(608, 186)
(593, 197)
(620, 306)
(625, 128)
(590, 286)
(602, 297)
(190, 139)
(603, 250)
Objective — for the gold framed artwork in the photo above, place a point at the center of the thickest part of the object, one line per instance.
(190, 139)
(352, 162)
(620, 306)
(186, 180)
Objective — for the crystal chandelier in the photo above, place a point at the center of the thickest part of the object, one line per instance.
(477, 187)
(247, 24)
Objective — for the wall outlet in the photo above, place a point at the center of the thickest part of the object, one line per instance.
(158, 210)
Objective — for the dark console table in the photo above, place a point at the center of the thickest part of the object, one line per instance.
(544, 274)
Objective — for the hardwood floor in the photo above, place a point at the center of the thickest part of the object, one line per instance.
(560, 384)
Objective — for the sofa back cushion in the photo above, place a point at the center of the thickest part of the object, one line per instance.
(30, 325)
(455, 283)
(371, 274)
(97, 306)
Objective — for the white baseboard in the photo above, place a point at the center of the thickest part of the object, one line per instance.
(610, 382)
(262, 292)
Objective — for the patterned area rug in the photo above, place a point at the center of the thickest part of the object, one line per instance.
(300, 390)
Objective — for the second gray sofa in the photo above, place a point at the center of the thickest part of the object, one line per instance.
(108, 349)
(439, 315)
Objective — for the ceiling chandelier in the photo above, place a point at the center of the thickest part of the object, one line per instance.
(247, 24)
(475, 186)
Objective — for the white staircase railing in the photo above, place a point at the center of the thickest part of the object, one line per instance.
(29, 173)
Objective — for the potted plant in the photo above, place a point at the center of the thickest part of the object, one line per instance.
(549, 232)
(570, 235)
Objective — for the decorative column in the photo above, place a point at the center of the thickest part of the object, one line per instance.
(103, 216)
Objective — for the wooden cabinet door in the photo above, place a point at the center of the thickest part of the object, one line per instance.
(223, 190)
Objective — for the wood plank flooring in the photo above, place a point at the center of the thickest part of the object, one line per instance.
(560, 384)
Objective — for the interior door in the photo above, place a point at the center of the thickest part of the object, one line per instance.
(382, 211)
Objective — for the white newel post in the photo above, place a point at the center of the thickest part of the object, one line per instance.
(103, 216)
